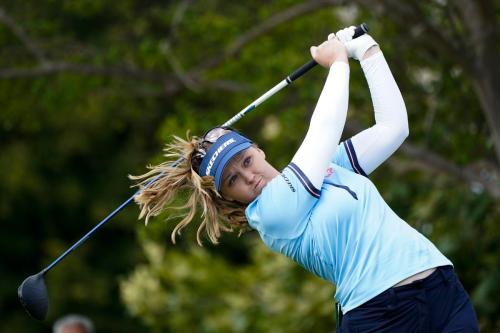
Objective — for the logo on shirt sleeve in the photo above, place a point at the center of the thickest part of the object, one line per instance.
(288, 182)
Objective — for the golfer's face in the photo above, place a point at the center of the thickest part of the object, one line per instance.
(246, 175)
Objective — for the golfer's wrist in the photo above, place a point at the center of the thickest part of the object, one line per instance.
(340, 59)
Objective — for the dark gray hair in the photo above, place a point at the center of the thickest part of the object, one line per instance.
(73, 319)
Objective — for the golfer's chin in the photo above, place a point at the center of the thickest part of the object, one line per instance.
(253, 194)
(250, 198)
(258, 188)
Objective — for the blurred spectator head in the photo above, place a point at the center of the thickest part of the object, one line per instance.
(73, 324)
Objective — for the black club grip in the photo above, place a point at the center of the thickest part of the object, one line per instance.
(360, 30)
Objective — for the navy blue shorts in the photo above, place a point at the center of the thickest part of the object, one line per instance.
(437, 303)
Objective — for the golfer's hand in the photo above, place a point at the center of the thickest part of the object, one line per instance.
(356, 48)
(329, 52)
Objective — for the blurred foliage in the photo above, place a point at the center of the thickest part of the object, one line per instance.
(196, 291)
(69, 139)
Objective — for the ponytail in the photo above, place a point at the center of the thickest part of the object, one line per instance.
(217, 214)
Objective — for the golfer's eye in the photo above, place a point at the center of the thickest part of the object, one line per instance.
(247, 160)
(232, 180)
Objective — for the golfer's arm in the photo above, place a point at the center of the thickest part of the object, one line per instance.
(327, 124)
(375, 144)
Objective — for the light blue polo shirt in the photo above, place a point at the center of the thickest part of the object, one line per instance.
(344, 232)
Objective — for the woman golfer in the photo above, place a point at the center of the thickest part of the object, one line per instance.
(321, 210)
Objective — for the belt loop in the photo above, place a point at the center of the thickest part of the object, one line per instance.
(393, 299)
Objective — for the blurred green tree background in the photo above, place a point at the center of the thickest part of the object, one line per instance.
(91, 90)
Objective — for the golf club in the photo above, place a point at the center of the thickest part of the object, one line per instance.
(33, 292)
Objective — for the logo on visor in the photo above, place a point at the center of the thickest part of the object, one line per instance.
(216, 154)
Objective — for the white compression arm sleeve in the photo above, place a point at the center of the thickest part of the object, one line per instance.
(375, 144)
(327, 124)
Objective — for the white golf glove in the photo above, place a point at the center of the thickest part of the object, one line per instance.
(356, 47)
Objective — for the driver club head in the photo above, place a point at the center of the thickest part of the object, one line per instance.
(33, 296)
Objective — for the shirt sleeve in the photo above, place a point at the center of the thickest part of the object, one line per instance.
(282, 209)
(346, 157)
(326, 126)
(375, 144)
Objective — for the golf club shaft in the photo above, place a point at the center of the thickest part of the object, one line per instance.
(360, 30)
(106, 219)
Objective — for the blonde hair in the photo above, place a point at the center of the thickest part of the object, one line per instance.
(217, 214)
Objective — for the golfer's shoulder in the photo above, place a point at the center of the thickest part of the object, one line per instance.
(291, 186)
(282, 206)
